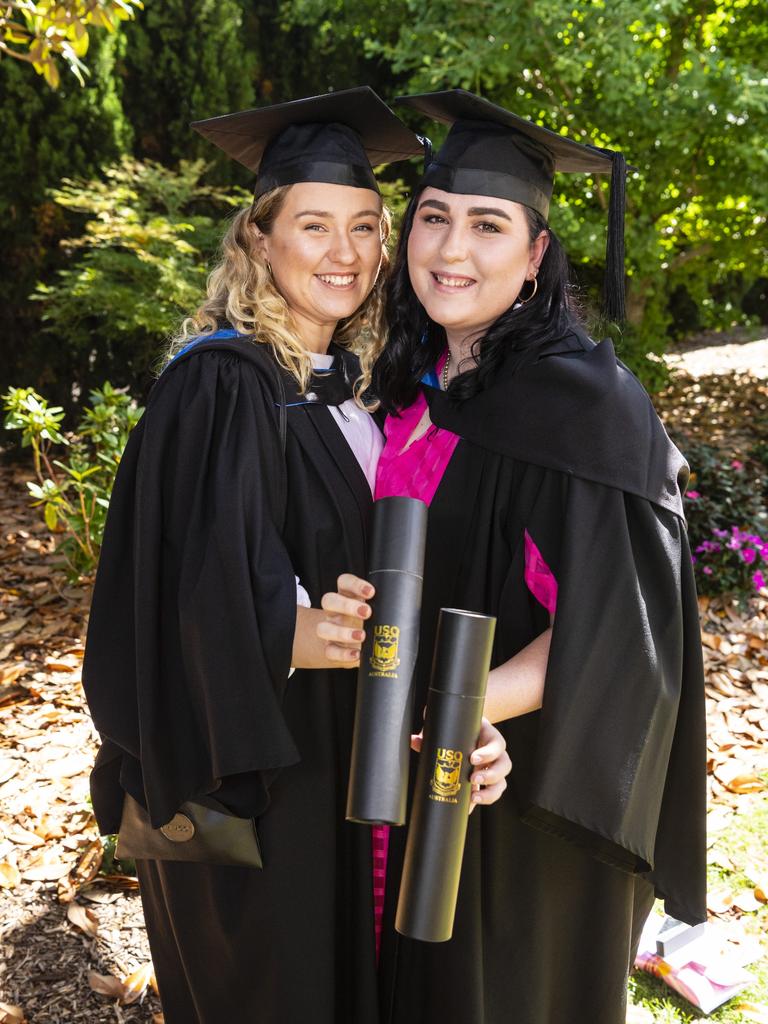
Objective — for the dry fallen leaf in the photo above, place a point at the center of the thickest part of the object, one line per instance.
(761, 889)
(10, 875)
(158, 1018)
(44, 871)
(83, 919)
(757, 1012)
(746, 901)
(719, 901)
(136, 984)
(8, 768)
(106, 985)
(11, 1014)
(23, 836)
(12, 626)
(738, 777)
(86, 870)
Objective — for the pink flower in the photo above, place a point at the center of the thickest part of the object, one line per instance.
(737, 465)
(758, 579)
(707, 570)
(693, 495)
(749, 555)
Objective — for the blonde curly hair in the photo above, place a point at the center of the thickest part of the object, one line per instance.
(242, 292)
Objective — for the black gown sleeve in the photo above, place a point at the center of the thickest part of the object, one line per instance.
(191, 630)
(620, 755)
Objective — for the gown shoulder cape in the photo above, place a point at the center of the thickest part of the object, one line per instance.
(606, 800)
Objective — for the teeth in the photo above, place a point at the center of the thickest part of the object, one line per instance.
(337, 279)
(453, 282)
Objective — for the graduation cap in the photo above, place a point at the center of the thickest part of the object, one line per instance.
(490, 151)
(332, 138)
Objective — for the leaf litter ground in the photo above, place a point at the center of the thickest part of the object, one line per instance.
(73, 947)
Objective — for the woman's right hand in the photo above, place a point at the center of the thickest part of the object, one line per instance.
(341, 627)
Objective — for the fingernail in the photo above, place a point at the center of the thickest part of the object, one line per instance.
(363, 610)
(358, 634)
(369, 590)
(476, 758)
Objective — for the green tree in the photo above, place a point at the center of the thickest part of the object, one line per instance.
(185, 60)
(46, 135)
(678, 85)
(38, 32)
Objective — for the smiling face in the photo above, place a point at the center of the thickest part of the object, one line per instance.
(325, 249)
(468, 259)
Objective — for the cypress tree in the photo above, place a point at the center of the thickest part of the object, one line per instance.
(185, 60)
(47, 135)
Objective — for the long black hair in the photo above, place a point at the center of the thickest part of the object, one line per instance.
(415, 342)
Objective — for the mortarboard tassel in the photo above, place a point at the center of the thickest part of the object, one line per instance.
(613, 286)
(428, 150)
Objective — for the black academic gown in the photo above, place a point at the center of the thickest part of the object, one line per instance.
(186, 673)
(606, 799)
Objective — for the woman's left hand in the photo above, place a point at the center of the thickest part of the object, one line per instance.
(491, 765)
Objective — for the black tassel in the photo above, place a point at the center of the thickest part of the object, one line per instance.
(428, 151)
(613, 288)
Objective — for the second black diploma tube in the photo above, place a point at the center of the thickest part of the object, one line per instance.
(378, 777)
(438, 828)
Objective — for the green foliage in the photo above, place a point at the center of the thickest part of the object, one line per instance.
(727, 511)
(40, 31)
(678, 85)
(186, 60)
(139, 265)
(47, 135)
(74, 494)
(110, 864)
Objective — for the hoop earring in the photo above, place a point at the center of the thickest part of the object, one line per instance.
(269, 268)
(535, 289)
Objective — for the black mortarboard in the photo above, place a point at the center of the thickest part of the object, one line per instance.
(490, 151)
(333, 138)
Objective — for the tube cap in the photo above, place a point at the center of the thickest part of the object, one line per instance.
(463, 648)
(399, 535)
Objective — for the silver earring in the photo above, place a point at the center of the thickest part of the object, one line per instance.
(535, 289)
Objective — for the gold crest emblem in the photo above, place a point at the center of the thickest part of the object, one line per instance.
(446, 777)
(384, 656)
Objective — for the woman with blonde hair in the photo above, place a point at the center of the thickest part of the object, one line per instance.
(242, 499)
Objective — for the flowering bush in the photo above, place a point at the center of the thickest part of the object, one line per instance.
(731, 560)
(727, 521)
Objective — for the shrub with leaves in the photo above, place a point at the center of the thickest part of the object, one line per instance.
(140, 264)
(727, 520)
(40, 31)
(74, 492)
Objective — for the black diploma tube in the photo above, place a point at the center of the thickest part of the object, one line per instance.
(430, 882)
(378, 780)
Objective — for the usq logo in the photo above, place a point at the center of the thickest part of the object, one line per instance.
(446, 777)
(385, 640)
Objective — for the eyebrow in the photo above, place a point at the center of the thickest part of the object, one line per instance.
(326, 213)
(474, 211)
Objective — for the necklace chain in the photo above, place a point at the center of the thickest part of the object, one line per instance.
(445, 370)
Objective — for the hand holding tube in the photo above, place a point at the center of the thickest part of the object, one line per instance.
(490, 762)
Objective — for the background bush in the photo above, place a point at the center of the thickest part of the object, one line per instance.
(727, 511)
(677, 84)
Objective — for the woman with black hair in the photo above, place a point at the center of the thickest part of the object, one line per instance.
(555, 505)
